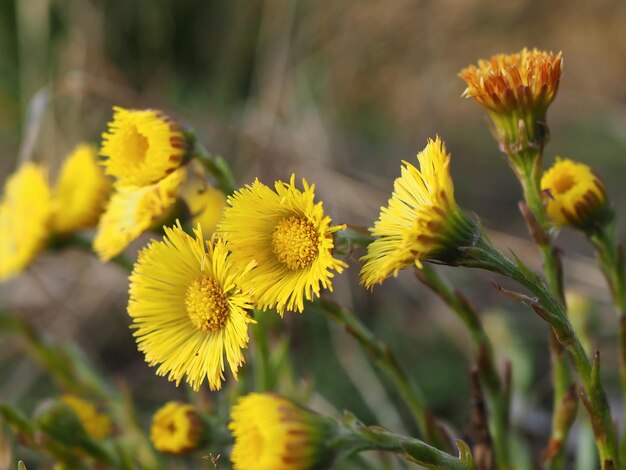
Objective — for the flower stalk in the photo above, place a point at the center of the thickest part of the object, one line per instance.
(385, 359)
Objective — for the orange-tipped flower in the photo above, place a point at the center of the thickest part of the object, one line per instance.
(514, 87)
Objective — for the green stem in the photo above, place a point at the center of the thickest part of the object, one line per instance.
(496, 396)
(611, 260)
(384, 358)
(485, 256)
(262, 367)
(538, 223)
(355, 437)
(217, 166)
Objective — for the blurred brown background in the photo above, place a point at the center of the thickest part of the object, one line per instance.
(337, 92)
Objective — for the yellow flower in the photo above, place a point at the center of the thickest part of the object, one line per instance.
(513, 87)
(575, 195)
(176, 428)
(133, 210)
(96, 424)
(25, 211)
(273, 433)
(142, 146)
(421, 222)
(205, 202)
(188, 308)
(289, 237)
(81, 191)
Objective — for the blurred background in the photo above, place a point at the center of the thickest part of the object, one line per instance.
(338, 92)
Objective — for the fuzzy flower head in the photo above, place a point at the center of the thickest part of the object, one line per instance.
(575, 196)
(188, 308)
(289, 237)
(132, 211)
(142, 146)
(81, 191)
(273, 433)
(176, 428)
(514, 87)
(25, 210)
(97, 425)
(421, 222)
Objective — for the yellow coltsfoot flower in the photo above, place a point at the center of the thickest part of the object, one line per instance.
(97, 425)
(421, 222)
(205, 202)
(81, 191)
(514, 87)
(25, 210)
(575, 196)
(189, 309)
(132, 211)
(176, 428)
(289, 237)
(143, 146)
(273, 433)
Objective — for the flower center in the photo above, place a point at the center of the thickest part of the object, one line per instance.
(136, 146)
(206, 304)
(564, 183)
(295, 242)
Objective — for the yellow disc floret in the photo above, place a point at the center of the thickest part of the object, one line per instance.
(81, 191)
(189, 308)
(289, 237)
(142, 146)
(574, 195)
(176, 428)
(25, 210)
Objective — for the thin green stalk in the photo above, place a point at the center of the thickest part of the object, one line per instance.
(264, 380)
(384, 358)
(217, 166)
(485, 256)
(611, 260)
(537, 222)
(496, 395)
(354, 437)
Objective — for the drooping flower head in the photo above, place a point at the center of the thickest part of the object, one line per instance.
(575, 195)
(25, 210)
(289, 237)
(189, 309)
(514, 87)
(176, 428)
(422, 220)
(142, 146)
(133, 210)
(81, 191)
(97, 425)
(273, 433)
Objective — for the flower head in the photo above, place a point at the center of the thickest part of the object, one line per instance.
(205, 202)
(188, 308)
(25, 210)
(289, 237)
(176, 428)
(97, 425)
(142, 146)
(575, 195)
(81, 191)
(422, 220)
(514, 87)
(273, 433)
(133, 210)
